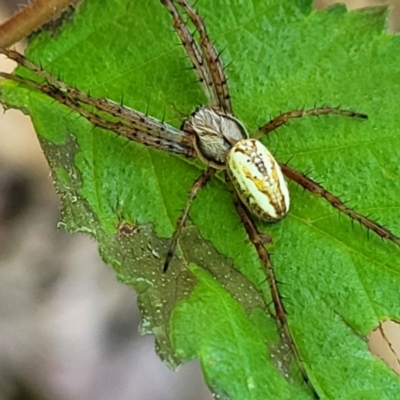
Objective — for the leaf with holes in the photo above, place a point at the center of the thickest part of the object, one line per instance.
(338, 282)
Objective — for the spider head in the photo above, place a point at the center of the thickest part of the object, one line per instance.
(215, 134)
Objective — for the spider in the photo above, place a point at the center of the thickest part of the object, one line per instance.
(216, 137)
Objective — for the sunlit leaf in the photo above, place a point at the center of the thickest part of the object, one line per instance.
(338, 282)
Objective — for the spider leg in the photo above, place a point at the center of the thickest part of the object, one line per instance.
(211, 56)
(314, 187)
(193, 52)
(205, 59)
(23, 61)
(118, 127)
(135, 120)
(287, 116)
(199, 184)
(256, 238)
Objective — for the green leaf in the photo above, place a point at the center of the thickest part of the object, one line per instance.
(338, 282)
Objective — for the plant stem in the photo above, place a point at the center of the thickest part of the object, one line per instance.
(30, 19)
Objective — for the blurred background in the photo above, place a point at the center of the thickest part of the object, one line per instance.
(68, 329)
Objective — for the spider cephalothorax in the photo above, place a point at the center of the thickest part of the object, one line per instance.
(215, 134)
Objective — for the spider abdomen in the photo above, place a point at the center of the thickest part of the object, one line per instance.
(258, 180)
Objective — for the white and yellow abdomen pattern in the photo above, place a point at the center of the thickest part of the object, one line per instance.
(258, 180)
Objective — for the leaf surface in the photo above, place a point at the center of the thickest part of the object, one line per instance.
(338, 282)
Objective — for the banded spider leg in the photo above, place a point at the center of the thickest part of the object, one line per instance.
(314, 187)
(127, 122)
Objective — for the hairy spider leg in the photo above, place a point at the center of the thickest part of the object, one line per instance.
(201, 181)
(280, 312)
(132, 119)
(118, 127)
(314, 187)
(193, 52)
(204, 59)
(317, 189)
(210, 73)
(284, 118)
(212, 58)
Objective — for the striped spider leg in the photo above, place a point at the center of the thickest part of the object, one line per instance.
(263, 254)
(314, 187)
(123, 121)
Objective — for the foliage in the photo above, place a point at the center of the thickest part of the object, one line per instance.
(338, 281)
